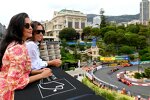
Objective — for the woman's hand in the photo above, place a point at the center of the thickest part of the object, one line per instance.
(46, 72)
(55, 62)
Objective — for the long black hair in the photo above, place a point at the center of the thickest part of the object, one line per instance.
(14, 33)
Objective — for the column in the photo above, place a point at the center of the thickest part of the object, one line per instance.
(80, 23)
(73, 23)
(66, 22)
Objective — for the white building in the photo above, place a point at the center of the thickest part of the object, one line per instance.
(144, 12)
(96, 21)
(134, 22)
(64, 19)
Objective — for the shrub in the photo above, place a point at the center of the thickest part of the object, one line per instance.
(147, 72)
(137, 75)
(143, 75)
(122, 98)
(108, 95)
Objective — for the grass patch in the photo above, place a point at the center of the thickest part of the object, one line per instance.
(107, 94)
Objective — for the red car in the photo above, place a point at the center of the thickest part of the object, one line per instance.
(126, 65)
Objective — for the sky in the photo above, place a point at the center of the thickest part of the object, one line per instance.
(42, 10)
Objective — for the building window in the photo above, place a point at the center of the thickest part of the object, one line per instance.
(51, 34)
(69, 24)
(76, 25)
(57, 36)
(59, 27)
(55, 27)
(94, 52)
(82, 25)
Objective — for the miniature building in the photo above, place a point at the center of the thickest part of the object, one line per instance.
(50, 50)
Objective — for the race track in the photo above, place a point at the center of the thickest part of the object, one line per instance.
(103, 75)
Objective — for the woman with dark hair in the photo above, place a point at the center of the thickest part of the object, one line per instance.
(15, 64)
(33, 48)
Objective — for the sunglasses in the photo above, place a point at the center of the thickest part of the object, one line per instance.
(40, 31)
(27, 25)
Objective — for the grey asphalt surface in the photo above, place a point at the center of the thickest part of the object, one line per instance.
(102, 74)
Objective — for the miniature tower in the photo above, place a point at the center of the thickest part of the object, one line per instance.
(94, 49)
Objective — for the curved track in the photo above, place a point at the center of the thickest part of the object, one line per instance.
(102, 74)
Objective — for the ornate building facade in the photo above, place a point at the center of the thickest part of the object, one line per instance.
(64, 19)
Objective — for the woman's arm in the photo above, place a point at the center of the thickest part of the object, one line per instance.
(55, 62)
(35, 78)
(34, 72)
(44, 74)
(38, 71)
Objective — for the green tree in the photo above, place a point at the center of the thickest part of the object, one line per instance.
(68, 34)
(148, 37)
(113, 37)
(145, 54)
(131, 39)
(107, 29)
(119, 39)
(103, 31)
(144, 51)
(141, 43)
(86, 32)
(64, 43)
(133, 28)
(109, 37)
(100, 44)
(110, 49)
(120, 31)
(111, 28)
(126, 50)
(103, 19)
(145, 57)
(121, 27)
(95, 32)
(143, 30)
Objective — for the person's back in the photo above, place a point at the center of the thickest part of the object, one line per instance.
(18, 63)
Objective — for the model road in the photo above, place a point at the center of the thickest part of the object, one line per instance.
(103, 75)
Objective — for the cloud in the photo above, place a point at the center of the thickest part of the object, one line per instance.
(44, 9)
